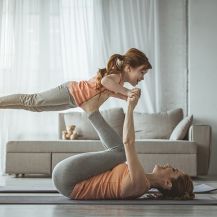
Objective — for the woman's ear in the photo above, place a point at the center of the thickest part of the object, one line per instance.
(167, 184)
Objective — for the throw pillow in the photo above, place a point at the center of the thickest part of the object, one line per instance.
(156, 125)
(114, 117)
(181, 129)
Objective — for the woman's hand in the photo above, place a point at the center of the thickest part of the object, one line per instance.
(134, 91)
(134, 97)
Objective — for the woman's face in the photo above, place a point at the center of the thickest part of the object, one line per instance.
(135, 75)
(167, 171)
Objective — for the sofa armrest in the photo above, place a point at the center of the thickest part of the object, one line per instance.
(201, 134)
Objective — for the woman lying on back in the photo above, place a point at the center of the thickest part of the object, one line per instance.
(105, 175)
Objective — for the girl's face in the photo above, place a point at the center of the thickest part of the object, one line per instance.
(135, 75)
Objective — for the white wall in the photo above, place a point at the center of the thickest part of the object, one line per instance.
(203, 67)
(172, 54)
(198, 88)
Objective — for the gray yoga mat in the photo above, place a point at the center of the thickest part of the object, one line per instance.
(200, 188)
(58, 199)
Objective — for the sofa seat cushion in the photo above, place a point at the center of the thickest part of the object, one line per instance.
(165, 146)
(55, 146)
(79, 146)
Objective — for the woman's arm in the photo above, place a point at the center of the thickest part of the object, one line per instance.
(137, 175)
(111, 82)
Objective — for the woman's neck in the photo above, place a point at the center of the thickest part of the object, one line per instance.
(153, 180)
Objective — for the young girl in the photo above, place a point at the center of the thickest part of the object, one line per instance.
(105, 175)
(89, 95)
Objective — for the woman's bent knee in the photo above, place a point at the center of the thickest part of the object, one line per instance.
(62, 181)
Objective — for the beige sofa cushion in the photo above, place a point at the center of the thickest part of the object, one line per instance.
(156, 125)
(182, 128)
(114, 117)
(154, 146)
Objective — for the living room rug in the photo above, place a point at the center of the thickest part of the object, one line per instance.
(59, 199)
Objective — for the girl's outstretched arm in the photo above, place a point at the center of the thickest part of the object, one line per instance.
(119, 96)
(111, 83)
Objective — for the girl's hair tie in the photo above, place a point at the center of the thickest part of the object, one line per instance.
(119, 63)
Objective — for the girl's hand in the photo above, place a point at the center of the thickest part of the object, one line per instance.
(133, 99)
(134, 91)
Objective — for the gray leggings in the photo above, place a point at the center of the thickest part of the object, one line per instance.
(74, 169)
(56, 99)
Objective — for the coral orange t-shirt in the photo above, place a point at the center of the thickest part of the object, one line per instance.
(107, 185)
(103, 186)
(82, 91)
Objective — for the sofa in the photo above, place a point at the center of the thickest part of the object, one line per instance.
(164, 137)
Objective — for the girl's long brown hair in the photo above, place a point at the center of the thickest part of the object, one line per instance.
(116, 63)
(182, 189)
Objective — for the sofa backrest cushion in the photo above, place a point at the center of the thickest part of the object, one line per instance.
(182, 128)
(156, 125)
(114, 117)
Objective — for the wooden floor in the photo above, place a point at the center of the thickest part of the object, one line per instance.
(99, 210)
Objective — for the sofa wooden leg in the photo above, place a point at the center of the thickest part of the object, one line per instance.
(21, 175)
